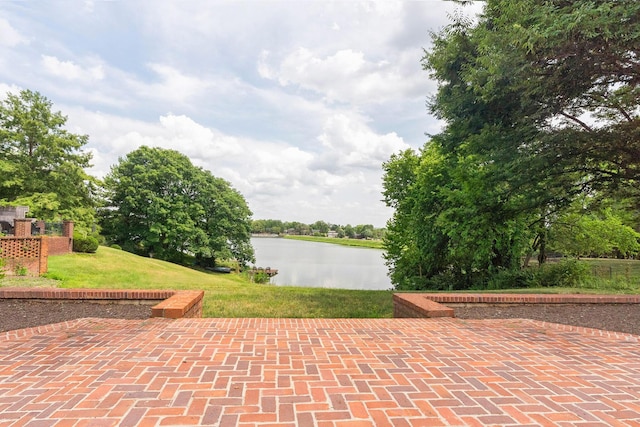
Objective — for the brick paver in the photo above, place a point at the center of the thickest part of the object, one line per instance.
(314, 372)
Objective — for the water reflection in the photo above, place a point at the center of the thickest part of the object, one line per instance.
(301, 263)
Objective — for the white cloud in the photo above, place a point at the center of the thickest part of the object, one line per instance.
(301, 67)
(71, 71)
(174, 84)
(350, 143)
(9, 36)
(6, 89)
(199, 143)
(345, 76)
(89, 6)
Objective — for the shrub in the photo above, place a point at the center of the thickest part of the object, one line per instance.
(85, 244)
(511, 279)
(116, 246)
(261, 277)
(21, 270)
(258, 275)
(445, 281)
(566, 273)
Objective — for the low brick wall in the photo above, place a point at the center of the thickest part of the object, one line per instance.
(507, 298)
(417, 306)
(60, 245)
(24, 255)
(431, 304)
(167, 303)
(181, 304)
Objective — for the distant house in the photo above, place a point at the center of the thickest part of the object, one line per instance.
(332, 233)
(8, 214)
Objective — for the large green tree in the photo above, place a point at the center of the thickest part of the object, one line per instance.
(574, 71)
(161, 205)
(449, 230)
(41, 163)
(540, 100)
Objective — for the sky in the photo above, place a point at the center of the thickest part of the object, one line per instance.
(296, 103)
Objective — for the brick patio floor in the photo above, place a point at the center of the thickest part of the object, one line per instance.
(314, 372)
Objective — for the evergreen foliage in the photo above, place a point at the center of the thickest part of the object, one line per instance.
(85, 244)
(540, 100)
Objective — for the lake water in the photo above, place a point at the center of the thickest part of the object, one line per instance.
(321, 265)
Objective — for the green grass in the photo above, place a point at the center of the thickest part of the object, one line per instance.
(361, 243)
(28, 282)
(226, 295)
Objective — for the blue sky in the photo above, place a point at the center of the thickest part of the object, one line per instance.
(295, 103)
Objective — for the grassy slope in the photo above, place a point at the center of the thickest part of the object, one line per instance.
(375, 244)
(226, 295)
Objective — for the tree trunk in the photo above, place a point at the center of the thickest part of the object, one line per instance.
(542, 247)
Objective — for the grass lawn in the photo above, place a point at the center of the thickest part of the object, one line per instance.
(362, 243)
(226, 295)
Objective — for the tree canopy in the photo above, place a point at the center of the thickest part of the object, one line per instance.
(161, 205)
(540, 100)
(41, 163)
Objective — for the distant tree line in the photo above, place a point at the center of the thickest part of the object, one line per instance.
(318, 228)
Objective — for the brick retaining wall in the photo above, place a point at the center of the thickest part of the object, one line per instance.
(168, 303)
(507, 298)
(431, 304)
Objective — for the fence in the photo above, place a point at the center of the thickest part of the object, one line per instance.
(27, 255)
(24, 256)
(626, 272)
(43, 228)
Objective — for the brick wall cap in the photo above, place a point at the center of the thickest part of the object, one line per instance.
(174, 304)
